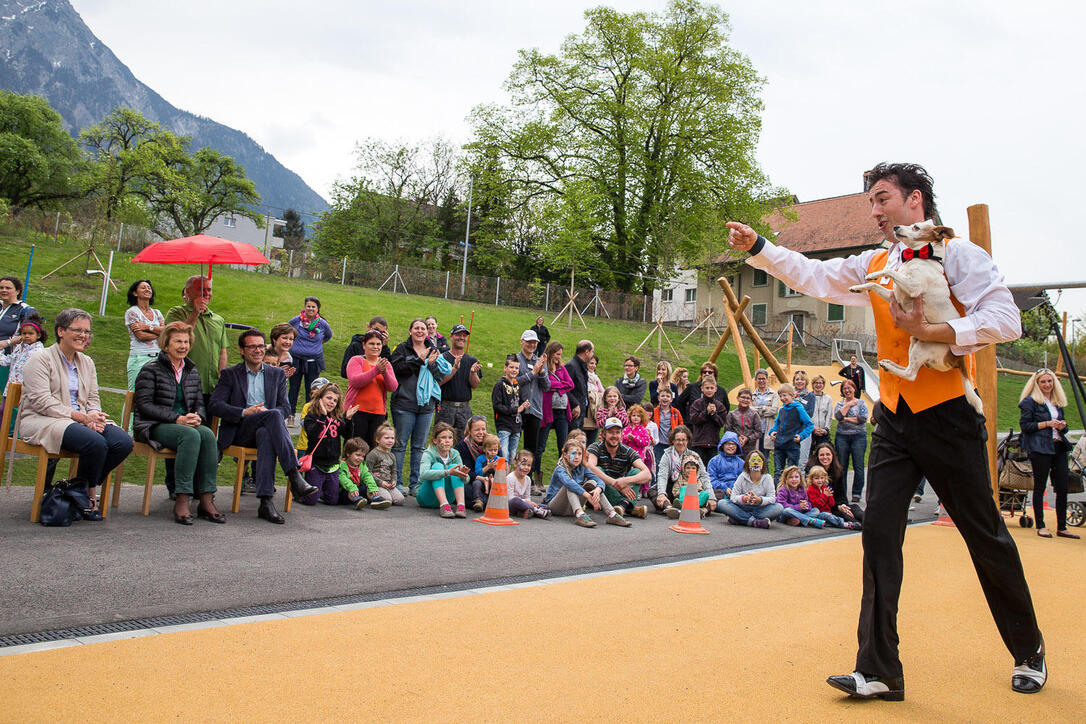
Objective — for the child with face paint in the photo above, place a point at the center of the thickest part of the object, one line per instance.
(754, 498)
(573, 485)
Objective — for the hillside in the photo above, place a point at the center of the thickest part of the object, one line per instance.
(47, 49)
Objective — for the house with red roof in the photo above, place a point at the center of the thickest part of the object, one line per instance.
(825, 228)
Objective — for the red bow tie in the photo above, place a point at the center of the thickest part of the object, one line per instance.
(924, 252)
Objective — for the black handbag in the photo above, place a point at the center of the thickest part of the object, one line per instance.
(63, 502)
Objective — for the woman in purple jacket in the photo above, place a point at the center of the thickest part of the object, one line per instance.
(308, 348)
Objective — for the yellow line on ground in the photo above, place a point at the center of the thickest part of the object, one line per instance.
(745, 638)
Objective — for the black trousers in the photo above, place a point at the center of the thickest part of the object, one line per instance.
(267, 432)
(1056, 466)
(365, 424)
(946, 444)
(530, 440)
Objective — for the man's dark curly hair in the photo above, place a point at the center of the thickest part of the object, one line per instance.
(910, 177)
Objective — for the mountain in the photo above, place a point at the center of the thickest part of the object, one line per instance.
(47, 49)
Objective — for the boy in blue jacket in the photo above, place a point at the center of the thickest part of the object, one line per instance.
(726, 465)
(792, 425)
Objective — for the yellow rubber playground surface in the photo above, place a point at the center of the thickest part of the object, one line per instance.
(744, 638)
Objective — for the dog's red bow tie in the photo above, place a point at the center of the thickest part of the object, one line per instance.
(924, 252)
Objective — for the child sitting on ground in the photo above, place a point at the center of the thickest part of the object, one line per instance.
(382, 464)
(792, 425)
(519, 484)
(726, 465)
(753, 500)
(442, 474)
(640, 434)
(820, 495)
(303, 441)
(357, 486)
(485, 465)
(797, 508)
(706, 500)
(324, 425)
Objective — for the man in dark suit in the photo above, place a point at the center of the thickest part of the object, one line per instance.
(251, 402)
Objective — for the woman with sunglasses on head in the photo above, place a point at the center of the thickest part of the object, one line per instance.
(1044, 437)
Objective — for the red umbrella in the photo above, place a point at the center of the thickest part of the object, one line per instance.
(201, 249)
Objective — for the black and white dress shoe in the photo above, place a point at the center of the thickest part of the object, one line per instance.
(1030, 676)
(868, 686)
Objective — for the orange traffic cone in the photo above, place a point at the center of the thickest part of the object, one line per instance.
(944, 519)
(690, 515)
(497, 505)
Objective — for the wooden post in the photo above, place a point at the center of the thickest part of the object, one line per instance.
(980, 232)
(740, 352)
(752, 333)
(727, 332)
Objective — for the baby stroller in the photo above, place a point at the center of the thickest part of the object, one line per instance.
(1016, 480)
(1015, 477)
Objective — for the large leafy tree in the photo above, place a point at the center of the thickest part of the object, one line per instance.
(651, 118)
(197, 189)
(400, 205)
(131, 153)
(143, 169)
(40, 163)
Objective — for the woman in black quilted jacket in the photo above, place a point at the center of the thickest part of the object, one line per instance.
(169, 413)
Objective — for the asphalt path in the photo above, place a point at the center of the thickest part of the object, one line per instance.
(131, 566)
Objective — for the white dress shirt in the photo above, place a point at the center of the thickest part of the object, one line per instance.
(991, 315)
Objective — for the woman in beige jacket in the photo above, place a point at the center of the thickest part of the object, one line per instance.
(60, 408)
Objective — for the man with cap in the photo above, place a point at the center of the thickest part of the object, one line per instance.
(456, 387)
(620, 467)
(534, 380)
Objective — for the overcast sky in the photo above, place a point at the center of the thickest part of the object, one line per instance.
(987, 94)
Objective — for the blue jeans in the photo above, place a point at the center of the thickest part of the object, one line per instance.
(413, 427)
(782, 459)
(854, 447)
(834, 520)
(804, 518)
(743, 512)
(99, 452)
(508, 441)
(560, 425)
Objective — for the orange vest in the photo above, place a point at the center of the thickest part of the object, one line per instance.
(930, 386)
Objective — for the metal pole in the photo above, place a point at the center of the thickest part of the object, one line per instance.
(645, 309)
(497, 290)
(56, 228)
(119, 235)
(343, 274)
(267, 228)
(105, 286)
(547, 299)
(447, 275)
(467, 233)
(26, 284)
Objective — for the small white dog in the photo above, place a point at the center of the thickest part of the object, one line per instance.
(921, 275)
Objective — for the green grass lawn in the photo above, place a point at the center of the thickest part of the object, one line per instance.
(262, 300)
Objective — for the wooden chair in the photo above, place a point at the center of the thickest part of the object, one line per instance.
(140, 448)
(244, 455)
(14, 444)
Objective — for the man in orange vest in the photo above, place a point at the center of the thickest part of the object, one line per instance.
(925, 428)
